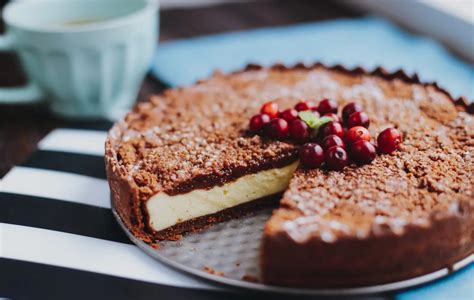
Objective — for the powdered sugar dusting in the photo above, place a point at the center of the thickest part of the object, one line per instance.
(189, 134)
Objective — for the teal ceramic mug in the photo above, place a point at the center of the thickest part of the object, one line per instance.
(86, 58)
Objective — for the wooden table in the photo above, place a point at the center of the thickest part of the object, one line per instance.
(22, 126)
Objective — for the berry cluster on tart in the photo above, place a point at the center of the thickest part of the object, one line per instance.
(190, 158)
(325, 138)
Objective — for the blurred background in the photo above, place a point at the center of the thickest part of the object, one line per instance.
(433, 22)
(434, 17)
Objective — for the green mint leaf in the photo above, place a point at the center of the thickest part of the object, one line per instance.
(308, 117)
(321, 121)
(312, 121)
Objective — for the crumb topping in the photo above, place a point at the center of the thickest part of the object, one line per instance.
(197, 136)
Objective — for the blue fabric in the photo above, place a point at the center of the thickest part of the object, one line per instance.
(459, 286)
(367, 42)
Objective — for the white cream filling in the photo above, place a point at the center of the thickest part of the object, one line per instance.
(165, 210)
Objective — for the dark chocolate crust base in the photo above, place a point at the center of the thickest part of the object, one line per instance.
(126, 198)
(198, 224)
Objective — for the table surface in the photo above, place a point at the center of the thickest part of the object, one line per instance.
(22, 126)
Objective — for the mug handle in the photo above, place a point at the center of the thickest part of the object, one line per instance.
(28, 93)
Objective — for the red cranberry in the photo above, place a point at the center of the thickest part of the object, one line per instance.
(277, 129)
(257, 122)
(333, 116)
(271, 109)
(332, 128)
(336, 158)
(299, 130)
(357, 133)
(327, 106)
(349, 109)
(289, 114)
(304, 105)
(359, 118)
(389, 140)
(363, 152)
(311, 155)
(331, 141)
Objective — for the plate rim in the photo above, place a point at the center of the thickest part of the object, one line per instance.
(260, 287)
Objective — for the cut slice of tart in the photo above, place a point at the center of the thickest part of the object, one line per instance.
(186, 160)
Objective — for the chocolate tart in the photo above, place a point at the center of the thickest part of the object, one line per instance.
(185, 160)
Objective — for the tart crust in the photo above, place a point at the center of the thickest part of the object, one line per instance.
(381, 254)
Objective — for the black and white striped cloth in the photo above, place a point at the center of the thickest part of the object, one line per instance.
(59, 240)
